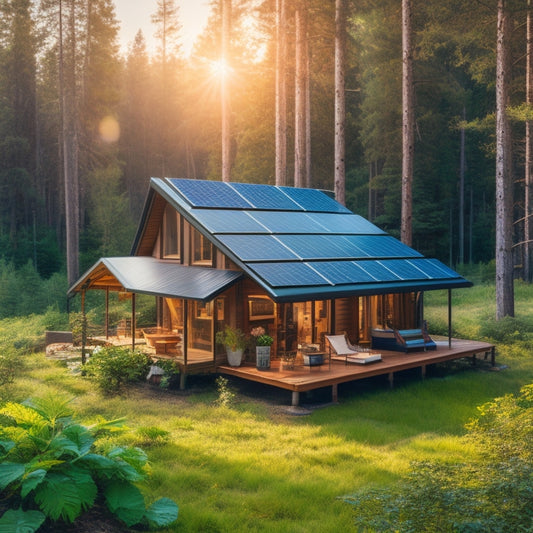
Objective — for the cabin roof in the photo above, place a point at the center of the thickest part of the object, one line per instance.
(298, 244)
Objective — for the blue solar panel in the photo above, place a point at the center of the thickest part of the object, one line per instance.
(227, 221)
(321, 246)
(288, 274)
(434, 269)
(382, 246)
(288, 221)
(340, 223)
(404, 269)
(202, 193)
(342, 272)
(314, 200)
(257, 247)
(265, 197)
(378, 271)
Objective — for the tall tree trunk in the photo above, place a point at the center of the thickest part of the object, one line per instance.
(408, 116)
(281, 93)
(527, 162)
(340, 101)
(226, 131)
(462, 170)
(504, 182)
(300, 106)
(70, 144)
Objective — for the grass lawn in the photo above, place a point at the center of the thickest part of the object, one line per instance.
(253, 467)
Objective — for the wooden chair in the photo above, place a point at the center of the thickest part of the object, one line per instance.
(342, 348)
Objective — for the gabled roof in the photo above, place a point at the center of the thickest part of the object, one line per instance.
(298, 244)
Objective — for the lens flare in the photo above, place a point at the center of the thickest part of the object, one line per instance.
(109, 130)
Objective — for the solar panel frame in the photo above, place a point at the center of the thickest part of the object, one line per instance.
(288, 274)
(382, 246)
(314, 200)
(249, 248)
(342, 272)
(228, 221)
(265, 197)
(209, 194)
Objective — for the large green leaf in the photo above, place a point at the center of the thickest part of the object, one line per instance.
(6, 445)
(19, 521)
(31, 481)
(66, 495)
(81, 436)
(10, 472)
(162, 513)
(125, 501)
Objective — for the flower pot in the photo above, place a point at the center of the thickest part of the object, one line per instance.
(234, 357)
(313, 359)
(262, 359)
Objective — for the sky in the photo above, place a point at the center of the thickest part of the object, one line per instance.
(136, 14)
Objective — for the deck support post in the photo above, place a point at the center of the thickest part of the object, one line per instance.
(295, 398)
(334, 393)
(423, 371)
(450, 319)
(493, 356)
(391, 379)
(183, 380)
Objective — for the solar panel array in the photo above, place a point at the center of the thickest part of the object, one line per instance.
(290, 238)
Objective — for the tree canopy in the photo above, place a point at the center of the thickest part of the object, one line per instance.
(139, 115)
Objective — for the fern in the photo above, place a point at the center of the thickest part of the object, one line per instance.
(49, 461)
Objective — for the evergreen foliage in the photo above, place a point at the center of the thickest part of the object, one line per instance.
(165, 113)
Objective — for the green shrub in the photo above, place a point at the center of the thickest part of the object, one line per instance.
(507, 329)
(51, 468)
(490, 495)
(112, 367)
(11, 362)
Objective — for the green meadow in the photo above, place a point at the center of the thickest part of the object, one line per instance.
(248, 465)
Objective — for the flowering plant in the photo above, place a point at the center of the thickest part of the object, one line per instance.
(261, 337)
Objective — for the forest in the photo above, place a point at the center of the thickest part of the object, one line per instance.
(67, 87)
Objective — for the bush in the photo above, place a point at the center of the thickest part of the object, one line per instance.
(10, 362)
(112, 367)
(491, 495)
(51, 468)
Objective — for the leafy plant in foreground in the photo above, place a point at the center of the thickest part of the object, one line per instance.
(51, 468)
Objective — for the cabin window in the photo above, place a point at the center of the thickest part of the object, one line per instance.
(171, 233)
(202, 249)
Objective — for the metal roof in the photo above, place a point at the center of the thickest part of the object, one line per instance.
(148, 275)
(300, 244)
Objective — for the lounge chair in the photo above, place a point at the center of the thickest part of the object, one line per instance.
(342, 349)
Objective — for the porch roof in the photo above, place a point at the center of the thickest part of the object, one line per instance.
(148, 275)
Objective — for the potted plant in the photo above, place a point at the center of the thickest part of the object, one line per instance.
(235, 341)
(263, 342)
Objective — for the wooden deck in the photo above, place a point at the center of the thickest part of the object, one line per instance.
(303, 378)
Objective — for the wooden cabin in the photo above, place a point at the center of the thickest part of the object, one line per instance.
(291, 260)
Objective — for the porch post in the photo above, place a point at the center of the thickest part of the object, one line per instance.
(185, 330)
(107, 313)
(449, 318)
(83, 327)
(133, 325)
